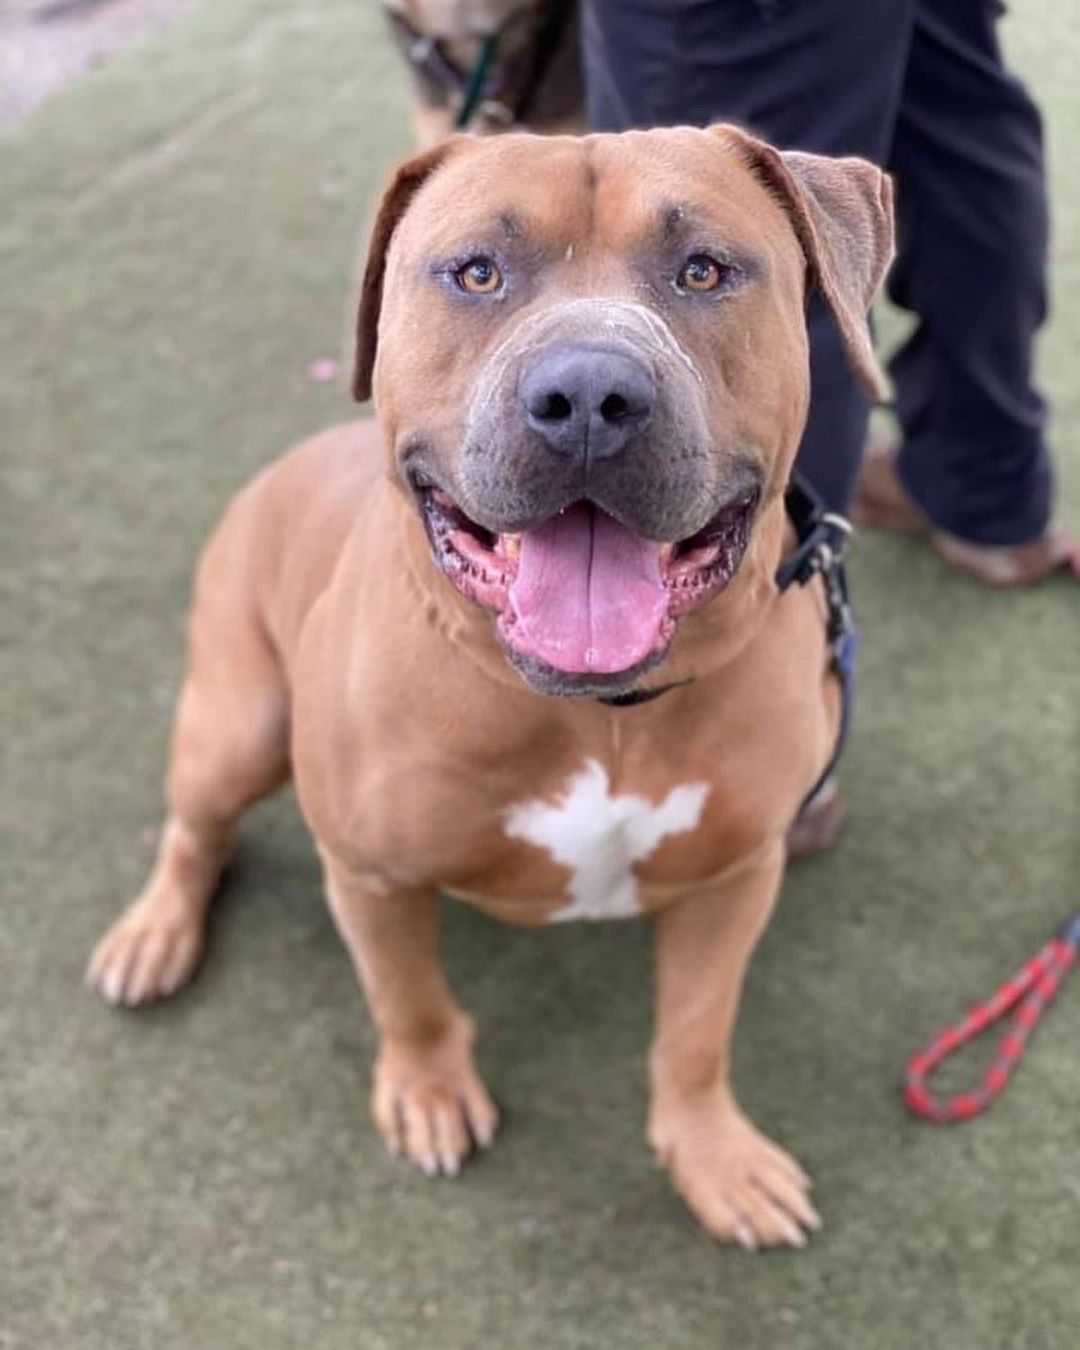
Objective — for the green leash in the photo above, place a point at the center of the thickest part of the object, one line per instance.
(478, 76)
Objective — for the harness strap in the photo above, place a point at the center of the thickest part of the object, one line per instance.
(478, 79)
(822, 537)
(486, 87)
(440, 77)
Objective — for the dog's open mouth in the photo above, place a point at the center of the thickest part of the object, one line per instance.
(581, 592)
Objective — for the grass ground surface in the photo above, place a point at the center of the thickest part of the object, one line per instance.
(178, 235)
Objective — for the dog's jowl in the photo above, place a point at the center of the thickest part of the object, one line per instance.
(519, 640)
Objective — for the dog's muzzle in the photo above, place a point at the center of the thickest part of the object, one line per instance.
(589, 508)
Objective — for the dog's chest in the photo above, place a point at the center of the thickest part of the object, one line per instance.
(600, 835)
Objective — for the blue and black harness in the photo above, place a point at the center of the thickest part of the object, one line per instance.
(821, 538)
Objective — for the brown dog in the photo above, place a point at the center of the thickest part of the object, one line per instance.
(488, 66)
(590, 367)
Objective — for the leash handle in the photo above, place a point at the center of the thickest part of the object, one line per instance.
(1029, 992)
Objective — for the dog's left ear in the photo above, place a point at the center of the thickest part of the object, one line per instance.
(842, 214)
(405, 183)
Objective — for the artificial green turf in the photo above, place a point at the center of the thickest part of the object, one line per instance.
(178, 235)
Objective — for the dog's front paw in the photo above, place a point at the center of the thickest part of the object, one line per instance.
(429, 1103)
(151, 950)
(740, 1185)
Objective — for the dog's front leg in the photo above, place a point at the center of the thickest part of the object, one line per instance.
(739, 1184)
(428, 1100)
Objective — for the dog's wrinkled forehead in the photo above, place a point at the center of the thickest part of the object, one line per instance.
(616, 217)
(569, 219)
(615, 197)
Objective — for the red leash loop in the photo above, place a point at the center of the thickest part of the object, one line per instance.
(1030, 992)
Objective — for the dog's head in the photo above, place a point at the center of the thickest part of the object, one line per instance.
(589, 358)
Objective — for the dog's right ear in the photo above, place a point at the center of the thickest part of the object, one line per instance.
(406, 181)
(841, 212)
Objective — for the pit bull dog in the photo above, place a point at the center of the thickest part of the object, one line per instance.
(489, 66)
(589, 364)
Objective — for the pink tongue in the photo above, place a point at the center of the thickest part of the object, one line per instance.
(588, 594)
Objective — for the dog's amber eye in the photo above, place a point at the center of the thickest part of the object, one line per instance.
(480, 276)
(701, 273)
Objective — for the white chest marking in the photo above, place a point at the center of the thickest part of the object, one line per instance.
(600, 837)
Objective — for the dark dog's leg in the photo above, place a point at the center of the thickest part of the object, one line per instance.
(230, 747)
(738, 1183)
(428, 1100)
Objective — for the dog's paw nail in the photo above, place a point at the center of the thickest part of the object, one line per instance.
(744, 1236)
(429, 1165)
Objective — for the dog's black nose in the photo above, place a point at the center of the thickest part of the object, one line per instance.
(587, 402)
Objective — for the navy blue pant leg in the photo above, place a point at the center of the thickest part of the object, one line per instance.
(967, 155)
(907, 83)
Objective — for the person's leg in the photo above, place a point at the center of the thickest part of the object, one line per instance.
(824, 77)
(967, 155)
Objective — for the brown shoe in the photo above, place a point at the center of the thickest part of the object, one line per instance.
(881, 503)
(1015, 565)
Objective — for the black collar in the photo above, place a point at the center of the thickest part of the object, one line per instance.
(636, 696)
